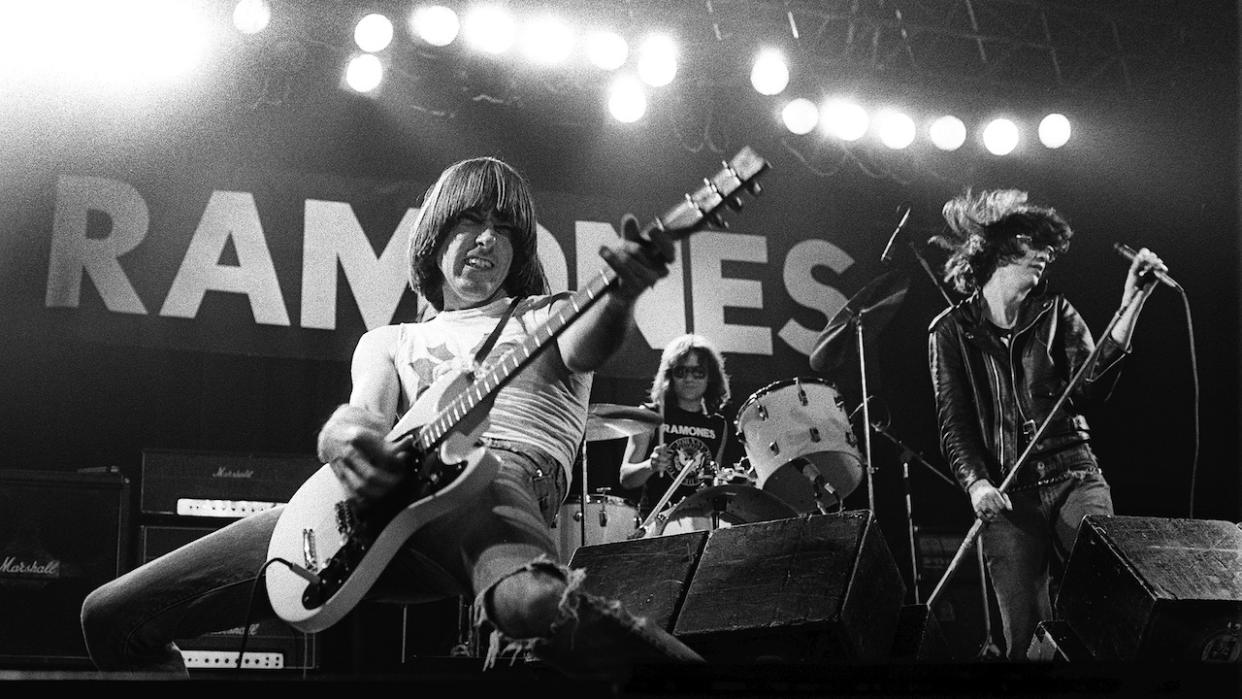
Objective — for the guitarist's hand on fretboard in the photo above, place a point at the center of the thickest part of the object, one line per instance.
(354, 443)
(640, 260)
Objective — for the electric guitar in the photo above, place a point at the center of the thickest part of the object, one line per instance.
(326, 551)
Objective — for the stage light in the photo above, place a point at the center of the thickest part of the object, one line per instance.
(769, 75)
(373, 33)
(607, 49)
(252, 16)
(365, 72)
(947, 133)
(489, 28)
(1000, 137)
(800, 116)
(1054, 130)
(896, 129)
(435, 24)
(843, 119)
(547, 41)
(657, 60)
(627, 101)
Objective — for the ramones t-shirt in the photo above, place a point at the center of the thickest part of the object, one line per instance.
(695, 439)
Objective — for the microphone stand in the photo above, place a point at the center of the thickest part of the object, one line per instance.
(973, 533)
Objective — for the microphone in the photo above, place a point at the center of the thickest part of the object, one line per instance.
(887, 255)
(1128, 252)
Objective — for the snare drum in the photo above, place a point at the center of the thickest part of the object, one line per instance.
(799, 440)
(608, 519)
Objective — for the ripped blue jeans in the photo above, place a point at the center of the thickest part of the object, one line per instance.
(131, 623)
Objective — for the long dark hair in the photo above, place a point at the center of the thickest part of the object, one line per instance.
(983, 232)
(717, 393)
(483, 184)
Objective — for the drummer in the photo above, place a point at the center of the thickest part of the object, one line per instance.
(689, 391)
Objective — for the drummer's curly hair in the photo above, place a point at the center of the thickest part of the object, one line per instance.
(982, 234)
(678, 349)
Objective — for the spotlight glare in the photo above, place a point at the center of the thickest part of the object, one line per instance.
(252, 16)
(606, 49)
(547, 41)
(489, 29)
(1000, 137)
(627, 102)
(365, 72)
(657, 60)
(896, 129)
(843, 119)
(947, 133)
(770, 73)
(800, 116)
(1054, 130)
(373, 33)
(435, 24)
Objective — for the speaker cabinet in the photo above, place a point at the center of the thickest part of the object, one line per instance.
(648, 576)
(1147, 588)
(1055, 642)
(814, 588)
(271, 644)
(62, 534)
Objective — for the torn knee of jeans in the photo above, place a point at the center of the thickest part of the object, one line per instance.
(500, 644)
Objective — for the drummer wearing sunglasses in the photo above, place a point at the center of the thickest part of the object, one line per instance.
(689, 390)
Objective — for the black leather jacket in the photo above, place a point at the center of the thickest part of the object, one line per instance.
(990, 399)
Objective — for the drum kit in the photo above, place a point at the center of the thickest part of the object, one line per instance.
(802, 454)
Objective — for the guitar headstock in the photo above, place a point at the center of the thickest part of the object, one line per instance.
(725, 189)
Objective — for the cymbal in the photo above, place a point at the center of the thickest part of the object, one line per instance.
(876, 303)
(609, 421)
(737, 504)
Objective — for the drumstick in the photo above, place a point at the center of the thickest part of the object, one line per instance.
(655, 511)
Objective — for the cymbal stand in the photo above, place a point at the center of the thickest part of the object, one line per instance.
(582, 512)
(908, 455)
(862, 371)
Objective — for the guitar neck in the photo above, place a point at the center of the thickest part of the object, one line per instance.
(514, 361)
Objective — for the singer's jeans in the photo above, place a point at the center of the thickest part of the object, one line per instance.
(1021, 545)
(130, 623)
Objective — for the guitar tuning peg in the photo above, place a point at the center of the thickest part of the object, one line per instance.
(717, 221)
(755, 188)
(734, 203)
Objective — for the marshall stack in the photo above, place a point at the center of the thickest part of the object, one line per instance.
(185, 495)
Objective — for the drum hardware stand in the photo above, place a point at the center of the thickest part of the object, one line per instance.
(973, 533)
(907, 455)
(658, 510)
(582, 509)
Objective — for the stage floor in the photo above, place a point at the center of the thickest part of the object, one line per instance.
(466, 675)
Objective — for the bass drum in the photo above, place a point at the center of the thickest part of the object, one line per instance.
(800, 443)
(608, 519)
(724, 506)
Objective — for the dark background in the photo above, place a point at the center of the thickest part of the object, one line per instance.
(1153, 163)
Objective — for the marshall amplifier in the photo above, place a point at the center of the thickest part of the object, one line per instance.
(219, 484)
(271, 645)
(62, 534)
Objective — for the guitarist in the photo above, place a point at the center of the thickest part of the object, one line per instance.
(473, 260)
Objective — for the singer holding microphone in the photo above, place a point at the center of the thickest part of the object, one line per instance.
(999, 361)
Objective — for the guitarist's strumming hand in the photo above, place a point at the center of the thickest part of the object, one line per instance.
(354, 443)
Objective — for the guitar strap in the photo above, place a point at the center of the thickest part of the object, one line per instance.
(491, 339)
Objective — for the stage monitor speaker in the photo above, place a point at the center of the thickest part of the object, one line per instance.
(648, 576)
(814, 588)
(1055, 641)
(1150, 588)
(271, 645)
(62, 534)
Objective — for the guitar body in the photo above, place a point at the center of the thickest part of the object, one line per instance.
(318, 526)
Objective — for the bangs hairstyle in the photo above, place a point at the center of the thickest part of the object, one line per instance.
(485, 185)
(983, 232)
(717, 393)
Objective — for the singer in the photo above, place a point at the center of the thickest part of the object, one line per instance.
(999, 361)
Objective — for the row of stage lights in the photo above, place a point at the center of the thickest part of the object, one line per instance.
(548, 41)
